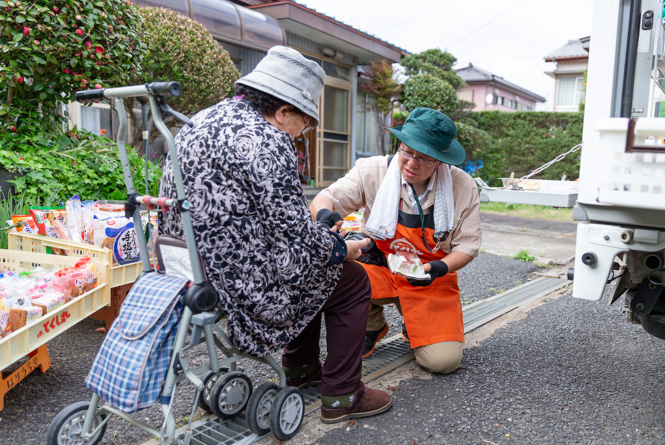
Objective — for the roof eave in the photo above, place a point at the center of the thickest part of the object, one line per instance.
(308, 23)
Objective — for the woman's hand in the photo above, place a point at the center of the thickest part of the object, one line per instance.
(353, 247)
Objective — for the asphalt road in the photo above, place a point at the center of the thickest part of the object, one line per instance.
(561, 371)
(570, 371)
(30, 406)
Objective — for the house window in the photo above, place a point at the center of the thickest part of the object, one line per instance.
(466, 95)
(512, 104)
(499, 100)
(337, 71)
(99, 117)
(367, 125)
(569, 91)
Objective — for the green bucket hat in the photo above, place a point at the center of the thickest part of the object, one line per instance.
(431, 133)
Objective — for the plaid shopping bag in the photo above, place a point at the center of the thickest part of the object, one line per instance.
(131, 365)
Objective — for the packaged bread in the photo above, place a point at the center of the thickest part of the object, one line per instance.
(4, 318)
(48, 302)
(19, 317)
(119, 236)
(77, 280)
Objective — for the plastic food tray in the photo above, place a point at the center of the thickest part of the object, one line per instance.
(28, 338)
(119, 275)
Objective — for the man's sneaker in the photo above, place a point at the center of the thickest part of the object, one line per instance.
(405, 335)
(366, 402)
(306, 380)
(372, 338)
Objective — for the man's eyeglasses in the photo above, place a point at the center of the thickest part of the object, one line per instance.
(422, 161)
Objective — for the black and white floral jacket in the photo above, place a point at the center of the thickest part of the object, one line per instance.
(268, 260)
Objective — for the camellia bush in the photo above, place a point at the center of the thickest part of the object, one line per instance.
(193, 58)
(49, 49)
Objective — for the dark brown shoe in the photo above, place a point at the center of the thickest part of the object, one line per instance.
(372, 338)
(366, 402)
(306, 380)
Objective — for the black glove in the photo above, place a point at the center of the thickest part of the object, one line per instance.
(437, 269)
(371, 254)
(328, 217)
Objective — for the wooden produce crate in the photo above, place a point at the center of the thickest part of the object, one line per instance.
(31, 339)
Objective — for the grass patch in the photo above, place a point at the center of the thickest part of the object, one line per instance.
(528, 211)
(9, 206)
(523, 255)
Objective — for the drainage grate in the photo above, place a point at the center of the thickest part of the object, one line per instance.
(388, 355)
(487, 310)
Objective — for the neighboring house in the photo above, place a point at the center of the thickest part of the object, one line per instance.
(570, 63)
(491, 92)
(348, 126)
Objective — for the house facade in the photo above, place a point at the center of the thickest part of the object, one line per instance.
(247, 29)
(570, 63)
(491, 92)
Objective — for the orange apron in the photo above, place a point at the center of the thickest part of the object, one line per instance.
(432, 314)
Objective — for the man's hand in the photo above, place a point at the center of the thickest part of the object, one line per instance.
(331, 219)
(435, 269)
(353, 248)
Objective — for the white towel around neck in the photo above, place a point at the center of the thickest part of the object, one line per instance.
(382, 222)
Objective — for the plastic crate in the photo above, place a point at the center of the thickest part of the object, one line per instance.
(632, 179)
(25, 340)
(120, 274)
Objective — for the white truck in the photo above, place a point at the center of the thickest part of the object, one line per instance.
(621, 197)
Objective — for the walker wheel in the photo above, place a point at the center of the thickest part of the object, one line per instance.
(209, 379)
(67, 426)
(230, 394)
(258, 408)
(286, 413)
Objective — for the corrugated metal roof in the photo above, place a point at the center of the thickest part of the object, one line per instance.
(352, 27)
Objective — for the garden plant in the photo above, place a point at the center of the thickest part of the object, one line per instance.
(49, 50)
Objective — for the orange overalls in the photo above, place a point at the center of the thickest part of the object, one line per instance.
(432, 314)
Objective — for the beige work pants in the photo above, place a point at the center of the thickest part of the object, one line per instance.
(439, 358)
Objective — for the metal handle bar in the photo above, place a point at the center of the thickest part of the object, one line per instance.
(153, 91)
(171, 88)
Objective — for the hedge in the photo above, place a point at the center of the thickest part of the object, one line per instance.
(520, 142)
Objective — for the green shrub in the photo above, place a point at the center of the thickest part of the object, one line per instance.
(523, 141)
(426, 90)
(49, 49)
(194, 59)
(50, 167)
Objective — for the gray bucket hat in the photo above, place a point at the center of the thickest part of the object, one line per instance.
(288, 75)
(432, 133)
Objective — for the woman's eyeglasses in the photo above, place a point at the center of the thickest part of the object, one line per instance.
(307, 119)
(424, 162)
